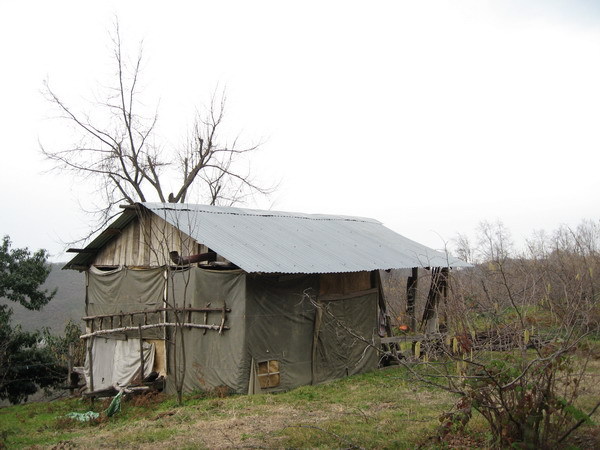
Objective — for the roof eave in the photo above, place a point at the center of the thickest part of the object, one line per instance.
(85, 256)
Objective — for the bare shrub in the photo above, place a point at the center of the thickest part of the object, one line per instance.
(518, 326)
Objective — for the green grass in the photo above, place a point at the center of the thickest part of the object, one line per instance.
(378, 409)
(39, 423)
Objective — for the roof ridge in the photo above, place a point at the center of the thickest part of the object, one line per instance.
(263, 213)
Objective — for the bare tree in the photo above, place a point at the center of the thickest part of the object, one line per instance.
(118, 149)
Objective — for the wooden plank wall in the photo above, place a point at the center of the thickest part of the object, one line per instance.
(146, 242)
(344, 283)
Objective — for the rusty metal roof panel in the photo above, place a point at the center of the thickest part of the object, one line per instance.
(283, 242)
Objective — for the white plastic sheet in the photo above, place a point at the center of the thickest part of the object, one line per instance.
(116, 363)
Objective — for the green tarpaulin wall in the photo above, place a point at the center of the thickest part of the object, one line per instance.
(273, 324)
(126, 290)
(345, 337)
(211, 359)
(280, 325)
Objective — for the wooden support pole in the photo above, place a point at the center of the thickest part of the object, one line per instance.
(444, 274)
(206, 317)
(223, 317)
(411, 298)
(430, 320)
(70, 368)
(383, 303)
(141, 354)
(90, 344)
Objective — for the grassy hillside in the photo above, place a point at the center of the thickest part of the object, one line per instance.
(378, 409)
(68, 303)
(381, 409)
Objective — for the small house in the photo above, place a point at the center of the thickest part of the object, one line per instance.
(257, 301)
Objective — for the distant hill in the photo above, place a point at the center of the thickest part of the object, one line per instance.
(68, 303)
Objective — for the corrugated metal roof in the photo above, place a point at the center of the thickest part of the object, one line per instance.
(281, 242)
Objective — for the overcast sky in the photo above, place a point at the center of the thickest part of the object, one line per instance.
(429, 116)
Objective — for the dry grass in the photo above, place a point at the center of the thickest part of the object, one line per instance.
(382, 409)
(378, 409)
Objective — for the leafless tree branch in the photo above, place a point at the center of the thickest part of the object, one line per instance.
(116, 147)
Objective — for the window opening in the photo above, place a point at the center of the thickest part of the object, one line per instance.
(106, 268)
(268, 374)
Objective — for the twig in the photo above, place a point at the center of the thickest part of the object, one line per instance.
(228, 438)
(345, 440)
(579, 423)
(363, 413)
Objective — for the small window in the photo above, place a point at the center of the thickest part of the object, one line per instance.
(268, 374)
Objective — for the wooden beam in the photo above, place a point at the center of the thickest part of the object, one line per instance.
(396, 339)
(134, 207)
(158, 310)
(157, 325)
(185, 260)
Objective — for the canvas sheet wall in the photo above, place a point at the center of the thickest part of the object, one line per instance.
(280, 327)
(274, 329)
(345, 336)
(126, 290)
(209, 359)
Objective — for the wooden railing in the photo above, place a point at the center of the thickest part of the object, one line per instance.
(96, 323)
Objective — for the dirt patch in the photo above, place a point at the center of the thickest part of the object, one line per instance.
(147, 399)
(247, 431)
(259, 426)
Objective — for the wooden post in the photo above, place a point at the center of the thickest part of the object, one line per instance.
(444, 279)
(383, 303)
(90, 343)
(141, 354)
(430, 321)
(223, 317)
(411, 297)
(206, 317)
(70, 368)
